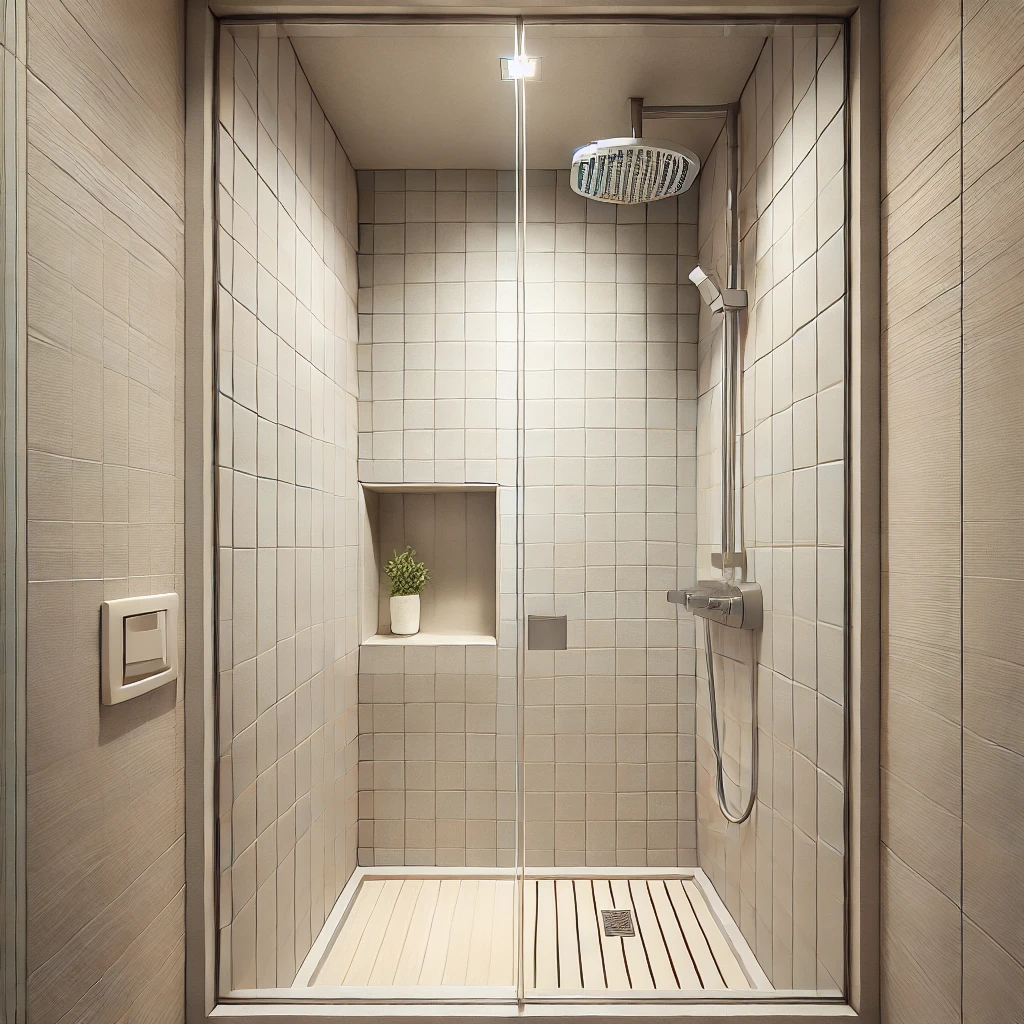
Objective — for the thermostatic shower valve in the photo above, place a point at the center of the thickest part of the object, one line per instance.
(732, 604)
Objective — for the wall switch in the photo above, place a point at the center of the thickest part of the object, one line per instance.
(145, 645)
(138, 645)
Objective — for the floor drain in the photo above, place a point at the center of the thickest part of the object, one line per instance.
(618, 922)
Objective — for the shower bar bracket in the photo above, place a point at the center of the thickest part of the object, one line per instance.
(731, 560)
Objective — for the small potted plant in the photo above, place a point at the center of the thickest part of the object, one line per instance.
(408, 578)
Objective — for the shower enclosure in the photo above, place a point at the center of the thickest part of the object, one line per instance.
(582, 780)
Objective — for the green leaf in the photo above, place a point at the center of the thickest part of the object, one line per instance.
(407, 576)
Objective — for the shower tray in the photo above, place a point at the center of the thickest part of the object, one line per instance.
(406, 932)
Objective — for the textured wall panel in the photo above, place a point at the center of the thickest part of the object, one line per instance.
(105, 438)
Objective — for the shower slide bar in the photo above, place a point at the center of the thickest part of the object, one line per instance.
(728, 601)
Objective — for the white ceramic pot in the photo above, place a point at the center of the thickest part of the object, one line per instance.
(405, 615)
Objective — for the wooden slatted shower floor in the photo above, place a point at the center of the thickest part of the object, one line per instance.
(442, 932)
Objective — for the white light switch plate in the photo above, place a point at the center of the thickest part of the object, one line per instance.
(161, 651)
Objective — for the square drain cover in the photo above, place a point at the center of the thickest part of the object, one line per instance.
(618, 922)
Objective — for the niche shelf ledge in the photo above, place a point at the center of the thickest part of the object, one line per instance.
(427, 488)
(430, 640)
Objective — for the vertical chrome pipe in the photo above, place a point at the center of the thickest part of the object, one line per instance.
(732, 144)
(731, 368)
(726, 442)
(636, 116)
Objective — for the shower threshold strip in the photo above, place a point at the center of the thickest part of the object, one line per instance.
(451, 932)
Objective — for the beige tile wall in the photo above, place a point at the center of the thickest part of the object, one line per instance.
(437, 756)
(781, 872)
(437, 387)
(610, 376)
(288, 513)
(609, 527)
(105, 843)
(953, 752)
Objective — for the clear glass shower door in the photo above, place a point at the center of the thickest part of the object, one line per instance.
(621, 367)
(368, 317)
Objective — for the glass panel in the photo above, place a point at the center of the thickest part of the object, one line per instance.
(367, 374)
(423, 344)
(623, 476)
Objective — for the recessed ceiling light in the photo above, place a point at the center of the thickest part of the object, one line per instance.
(519, 67)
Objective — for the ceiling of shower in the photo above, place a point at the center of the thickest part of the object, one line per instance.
(430, 96)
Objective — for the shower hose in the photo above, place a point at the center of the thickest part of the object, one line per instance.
(736, 819)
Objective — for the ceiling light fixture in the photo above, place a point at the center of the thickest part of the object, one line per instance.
(513, 68)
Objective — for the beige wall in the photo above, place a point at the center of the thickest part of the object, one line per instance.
(953, 474)
(781, 872)
(609, 418)
(105, 503)
(288, 527)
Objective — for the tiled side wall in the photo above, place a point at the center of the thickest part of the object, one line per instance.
(609, 411)
(105, 488)
(288, 527)
(953, 470)
(781, 872)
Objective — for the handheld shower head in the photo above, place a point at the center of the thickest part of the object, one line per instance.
(717, 300)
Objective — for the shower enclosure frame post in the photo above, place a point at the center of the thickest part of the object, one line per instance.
(13, 522)
(520, 496)
(201, 35)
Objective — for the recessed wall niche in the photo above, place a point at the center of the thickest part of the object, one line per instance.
(453, 529)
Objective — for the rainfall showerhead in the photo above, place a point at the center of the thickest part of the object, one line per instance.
(717, 300)
(632, 170)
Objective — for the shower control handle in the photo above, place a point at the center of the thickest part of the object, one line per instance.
(696, 601)
(733, 604)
